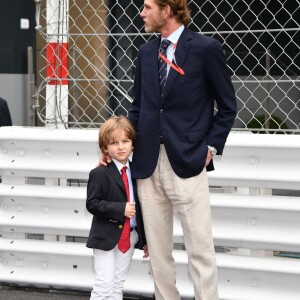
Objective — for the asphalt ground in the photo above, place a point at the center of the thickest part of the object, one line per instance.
(15, 293)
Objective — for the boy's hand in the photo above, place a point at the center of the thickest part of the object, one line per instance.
(129, 210)
(104, 160)
(146, 252)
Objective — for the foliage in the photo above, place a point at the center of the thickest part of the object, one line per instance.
(274, 122)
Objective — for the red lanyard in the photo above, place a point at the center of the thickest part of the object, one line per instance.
(176, 68)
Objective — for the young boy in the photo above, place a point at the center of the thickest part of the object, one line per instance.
(114, 204)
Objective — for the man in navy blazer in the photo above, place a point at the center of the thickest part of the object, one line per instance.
(178, 133)
(5, 118)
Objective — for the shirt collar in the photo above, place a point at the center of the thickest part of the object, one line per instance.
(174, 37)
(119, 165)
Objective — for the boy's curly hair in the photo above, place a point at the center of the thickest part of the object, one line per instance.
(110, 128)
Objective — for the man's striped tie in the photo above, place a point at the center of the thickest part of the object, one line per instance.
(162, 66)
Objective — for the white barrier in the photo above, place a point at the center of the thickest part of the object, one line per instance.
(254, 222)
(245, 221)
(259, 161)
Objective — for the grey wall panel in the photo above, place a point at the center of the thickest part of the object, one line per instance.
(13, 88)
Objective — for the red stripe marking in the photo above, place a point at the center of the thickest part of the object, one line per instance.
(57, 63)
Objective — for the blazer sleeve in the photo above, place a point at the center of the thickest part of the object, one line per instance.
(220, 83)
(134, 111)
(104, 198)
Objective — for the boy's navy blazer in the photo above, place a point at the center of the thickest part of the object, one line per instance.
(106, 201)
(185, 115)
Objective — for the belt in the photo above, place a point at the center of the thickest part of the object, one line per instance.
(133, 228)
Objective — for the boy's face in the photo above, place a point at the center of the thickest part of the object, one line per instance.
(120, 147)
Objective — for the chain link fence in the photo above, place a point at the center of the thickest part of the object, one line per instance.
(260, 40)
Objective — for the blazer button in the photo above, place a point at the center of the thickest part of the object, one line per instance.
(120, 227)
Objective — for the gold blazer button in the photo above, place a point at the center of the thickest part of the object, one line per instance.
(120, 227)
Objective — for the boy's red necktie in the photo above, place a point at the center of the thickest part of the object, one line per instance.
(124, 241)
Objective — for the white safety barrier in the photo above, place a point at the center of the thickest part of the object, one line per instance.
(44, 223)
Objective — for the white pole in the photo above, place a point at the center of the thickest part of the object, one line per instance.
(57, 107)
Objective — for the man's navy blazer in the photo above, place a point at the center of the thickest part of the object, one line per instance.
(106, 200)
(184, 117)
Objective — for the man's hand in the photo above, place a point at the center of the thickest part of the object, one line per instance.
(104, 160)
(208, 158)
(146, 252)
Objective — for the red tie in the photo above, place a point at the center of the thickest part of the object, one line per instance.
(124, 241)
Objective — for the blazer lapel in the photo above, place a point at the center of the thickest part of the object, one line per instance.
(153, 57)
(114, 172)
(180, 56)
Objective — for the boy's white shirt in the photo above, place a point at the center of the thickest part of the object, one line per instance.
(128, 172)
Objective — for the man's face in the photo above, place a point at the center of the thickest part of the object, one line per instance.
(153, 16)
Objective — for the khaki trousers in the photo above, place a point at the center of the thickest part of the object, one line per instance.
(159, 195)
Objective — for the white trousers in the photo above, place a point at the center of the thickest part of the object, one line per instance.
(111, 268)
(159, 195)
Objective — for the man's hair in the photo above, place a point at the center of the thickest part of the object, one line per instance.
(108, 131)
(179, 10)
